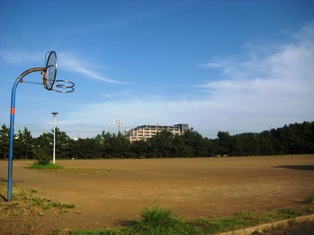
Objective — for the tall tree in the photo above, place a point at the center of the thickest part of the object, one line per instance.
(84, 149)
(141, 148)
(24, 144)
(226, 143)
(62, 144)
(181, 149)
(45, 143)
(103, 141)
(162, 144)
(246, 144)
(199, 145)
(120, 146)
(4, 142)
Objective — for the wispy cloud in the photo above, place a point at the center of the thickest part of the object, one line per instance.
(22, 56)
(74, 63)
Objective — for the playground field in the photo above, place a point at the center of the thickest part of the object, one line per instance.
(111, 193)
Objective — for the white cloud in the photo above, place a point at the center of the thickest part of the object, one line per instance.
(267, 90)
(22, 57)
(73, 63)
(282, 81)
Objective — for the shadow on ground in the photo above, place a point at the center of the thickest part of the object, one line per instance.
(297, 167)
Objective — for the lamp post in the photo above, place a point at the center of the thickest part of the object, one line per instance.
(54, 137)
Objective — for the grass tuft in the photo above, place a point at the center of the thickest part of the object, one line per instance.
(157, 220)
(37, 165)
(158, 216)
(98, 232)
(309, 199)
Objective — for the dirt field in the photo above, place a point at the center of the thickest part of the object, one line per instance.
(115, 191)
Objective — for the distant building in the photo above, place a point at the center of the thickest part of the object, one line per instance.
(148, 131)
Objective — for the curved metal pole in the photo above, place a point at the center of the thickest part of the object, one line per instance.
(11, 134)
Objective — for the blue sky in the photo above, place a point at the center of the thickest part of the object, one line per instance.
(217, 65)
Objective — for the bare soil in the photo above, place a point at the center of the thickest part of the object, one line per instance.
(111, 193)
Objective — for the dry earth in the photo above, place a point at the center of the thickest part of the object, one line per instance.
(109, 193)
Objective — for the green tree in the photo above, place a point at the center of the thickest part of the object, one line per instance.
(226, 143)
(62, 144)
(181, 149)
(103, 141)
(141, 148)
(162, 144)
(195, 142)
(246, 144)
(300, 138)
(309, 137)
(267, 143)
(24, 145)
(45, 143)
(43, 148)
(120, 146)
(4, 142)
(114, 146)
(84, 149)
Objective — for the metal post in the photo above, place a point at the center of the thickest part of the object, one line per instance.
(11, 138)
(11, 134)
(54, 137)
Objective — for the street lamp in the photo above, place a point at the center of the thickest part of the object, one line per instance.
(54, 137)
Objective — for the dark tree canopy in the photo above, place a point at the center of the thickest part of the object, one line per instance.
(295, 138)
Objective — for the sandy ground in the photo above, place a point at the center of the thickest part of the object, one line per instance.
(201, 187)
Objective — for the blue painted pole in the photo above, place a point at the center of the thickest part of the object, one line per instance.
(11, 138)
(11, 134)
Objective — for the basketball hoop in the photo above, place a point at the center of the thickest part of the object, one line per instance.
(49, 73)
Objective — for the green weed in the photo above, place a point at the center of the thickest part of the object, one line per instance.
(309, 199)
(98, 232)
(37, 165)
(157, 220)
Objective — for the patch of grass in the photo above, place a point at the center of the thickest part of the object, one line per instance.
(85, 171)
(154, 221)
(98, 232)
(29, 224)
(159, 221)
(309, 199)
(37, 165)
(70, 171)
(27, 199)
(26, 207)
(246, 219)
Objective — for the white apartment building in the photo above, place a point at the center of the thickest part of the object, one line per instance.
(148, 131)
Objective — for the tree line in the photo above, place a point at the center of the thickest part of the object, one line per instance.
(297, 138)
